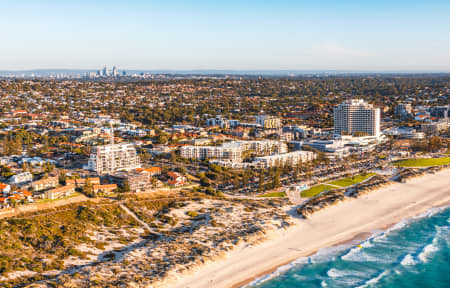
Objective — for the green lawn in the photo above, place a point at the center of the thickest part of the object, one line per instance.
(274, 194)
(422, 162)
(313, 191)
(345, 182)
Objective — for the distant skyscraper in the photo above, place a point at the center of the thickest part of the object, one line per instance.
(356, 117)
(105, 71)
(114, 71)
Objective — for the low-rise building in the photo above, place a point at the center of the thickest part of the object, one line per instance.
(60, 192)
(152, 171)
(403, 110)
(79, 182)
(105, 188)
(175, 179)
(435, 128)
(4, 189)
(43, 184)
(137, 182)
(21, 178)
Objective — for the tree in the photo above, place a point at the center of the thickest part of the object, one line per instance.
(276, 179)
(261, 181)
(88, 188)
(162, 138)
(62, 178)
(434, 144)
(126, 186)
(5, 171)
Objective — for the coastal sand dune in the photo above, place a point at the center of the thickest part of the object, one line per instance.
(351, 219)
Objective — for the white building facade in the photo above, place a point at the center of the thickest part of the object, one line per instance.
(289, 159)
(356, 116)
(232, 151)
(113, 157)
(268, 121)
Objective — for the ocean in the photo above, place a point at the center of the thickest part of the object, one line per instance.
(413, 253)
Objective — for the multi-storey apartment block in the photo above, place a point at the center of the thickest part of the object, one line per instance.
(356, 117)
(268, 121)
(291, 159)
(113, 157)
(232, 151)
(225, 152)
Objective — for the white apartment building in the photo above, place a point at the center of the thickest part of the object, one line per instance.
(224, 153)
(232, 151)
(291, 159)
(268, 121)
(356, 116)
(263, 147)
(434, 128)
(21, 178)
(113, 157)
(403, 109)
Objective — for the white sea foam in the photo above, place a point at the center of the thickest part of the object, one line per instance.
(324, 254)
(337, 273)
(355, 253)
(429, 249)
(429, 213)
(408, 260)
(323, 284)
(374, 279)
(426, 252)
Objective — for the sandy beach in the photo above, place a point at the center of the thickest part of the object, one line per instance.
(351, 219)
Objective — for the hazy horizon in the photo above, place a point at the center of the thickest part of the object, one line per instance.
(286, 35)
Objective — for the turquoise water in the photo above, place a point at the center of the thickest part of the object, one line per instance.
(414, 253)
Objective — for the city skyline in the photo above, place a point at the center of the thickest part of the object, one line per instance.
(250, 35)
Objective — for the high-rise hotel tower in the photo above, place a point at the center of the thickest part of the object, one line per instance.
(356, 117)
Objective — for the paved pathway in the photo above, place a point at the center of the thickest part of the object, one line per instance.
(135, 217)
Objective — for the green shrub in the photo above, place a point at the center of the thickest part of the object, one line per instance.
(192, 214)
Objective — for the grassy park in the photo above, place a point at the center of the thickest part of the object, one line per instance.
(274, 194)
(422, 162)
(345, 182)
(315, 190)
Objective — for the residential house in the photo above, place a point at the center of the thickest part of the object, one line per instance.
(175, 179)
(152, 171)
(4, 189)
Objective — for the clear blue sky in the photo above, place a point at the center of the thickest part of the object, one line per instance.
(226, 34)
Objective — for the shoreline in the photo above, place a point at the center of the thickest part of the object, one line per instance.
(347, 222)
(350, 242)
